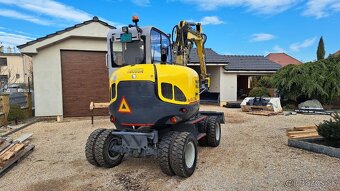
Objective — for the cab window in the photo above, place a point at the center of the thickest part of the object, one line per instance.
(160, 44)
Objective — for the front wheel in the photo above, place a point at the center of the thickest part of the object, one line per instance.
(104, 156)
(184, 154)
(213, 132)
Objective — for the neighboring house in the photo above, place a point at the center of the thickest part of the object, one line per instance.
(282, 58)
(15, 68)
(231, 74)
(70, 70)
(337, 53)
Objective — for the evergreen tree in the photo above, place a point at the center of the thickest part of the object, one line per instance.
(321, 50)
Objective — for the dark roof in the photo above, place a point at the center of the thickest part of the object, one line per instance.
(10, 54)
(94, 19)
(211, 57)
(250, 63)
(282, 58)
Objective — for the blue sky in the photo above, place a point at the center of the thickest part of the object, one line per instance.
(241, 27)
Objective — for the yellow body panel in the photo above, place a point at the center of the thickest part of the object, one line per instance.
(186, 79)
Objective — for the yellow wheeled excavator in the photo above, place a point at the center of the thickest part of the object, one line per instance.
(154, 101)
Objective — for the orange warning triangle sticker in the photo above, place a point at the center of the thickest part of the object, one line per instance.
(124, 106)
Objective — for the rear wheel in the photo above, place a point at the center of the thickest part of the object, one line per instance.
(213, 132)
(89, 147)
(165, 148)
(184, 154)
(103, 154)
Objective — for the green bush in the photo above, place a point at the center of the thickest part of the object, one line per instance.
(330, 129)
(15, 113)
(259, 92)
(265, 81)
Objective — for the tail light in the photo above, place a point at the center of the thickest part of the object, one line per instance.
(112, 119)
(184, 110)
(173, 119)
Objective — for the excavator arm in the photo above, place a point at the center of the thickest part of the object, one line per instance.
(187, 34)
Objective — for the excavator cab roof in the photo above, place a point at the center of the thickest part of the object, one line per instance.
(131, 44)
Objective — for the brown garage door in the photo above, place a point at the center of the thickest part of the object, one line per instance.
(85, 79)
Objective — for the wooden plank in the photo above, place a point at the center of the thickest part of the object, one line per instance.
(304, 136)
(304, 127)
(101, 105)
(19, 156)
(301, 132)
(264, 113)
(11, 152)
(23, 137)
(91, 105)
(8, 148)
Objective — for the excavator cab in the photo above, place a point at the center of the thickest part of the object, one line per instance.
(132, 45)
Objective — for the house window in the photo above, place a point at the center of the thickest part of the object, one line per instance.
(3, 61)
(17, 76)
(3, 80)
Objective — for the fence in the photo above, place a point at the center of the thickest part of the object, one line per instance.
(24, 99)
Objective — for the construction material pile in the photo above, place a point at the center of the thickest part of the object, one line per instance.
(11, 151)
(312, 107)
(266, 106)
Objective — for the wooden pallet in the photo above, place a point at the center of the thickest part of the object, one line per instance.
(12, 151)
(302, 132)
(264, 113)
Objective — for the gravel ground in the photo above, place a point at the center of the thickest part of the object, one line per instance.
(253, 155)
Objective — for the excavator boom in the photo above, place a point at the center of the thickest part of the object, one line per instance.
(186, 35)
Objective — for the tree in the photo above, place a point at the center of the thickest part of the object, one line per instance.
(313, 80)
(321, 50)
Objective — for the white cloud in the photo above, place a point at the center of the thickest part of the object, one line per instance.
(141, 3)
(51, 8)
(261, 37)
(305, 44)
(208, 20)
(278, 49)
(321, 8)
(259, 6)
(11, 39)
(211, 20)
(17, 15)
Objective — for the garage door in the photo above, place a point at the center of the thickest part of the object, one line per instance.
(84, 79)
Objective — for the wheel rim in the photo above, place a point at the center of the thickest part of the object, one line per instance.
(190, 154)
(218, 132)
(113, 155)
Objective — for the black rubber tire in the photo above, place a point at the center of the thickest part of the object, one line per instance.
(178, 160)
(202, 126)
(165, 147)
(89, 147)
(102, 154)
(213, 126)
